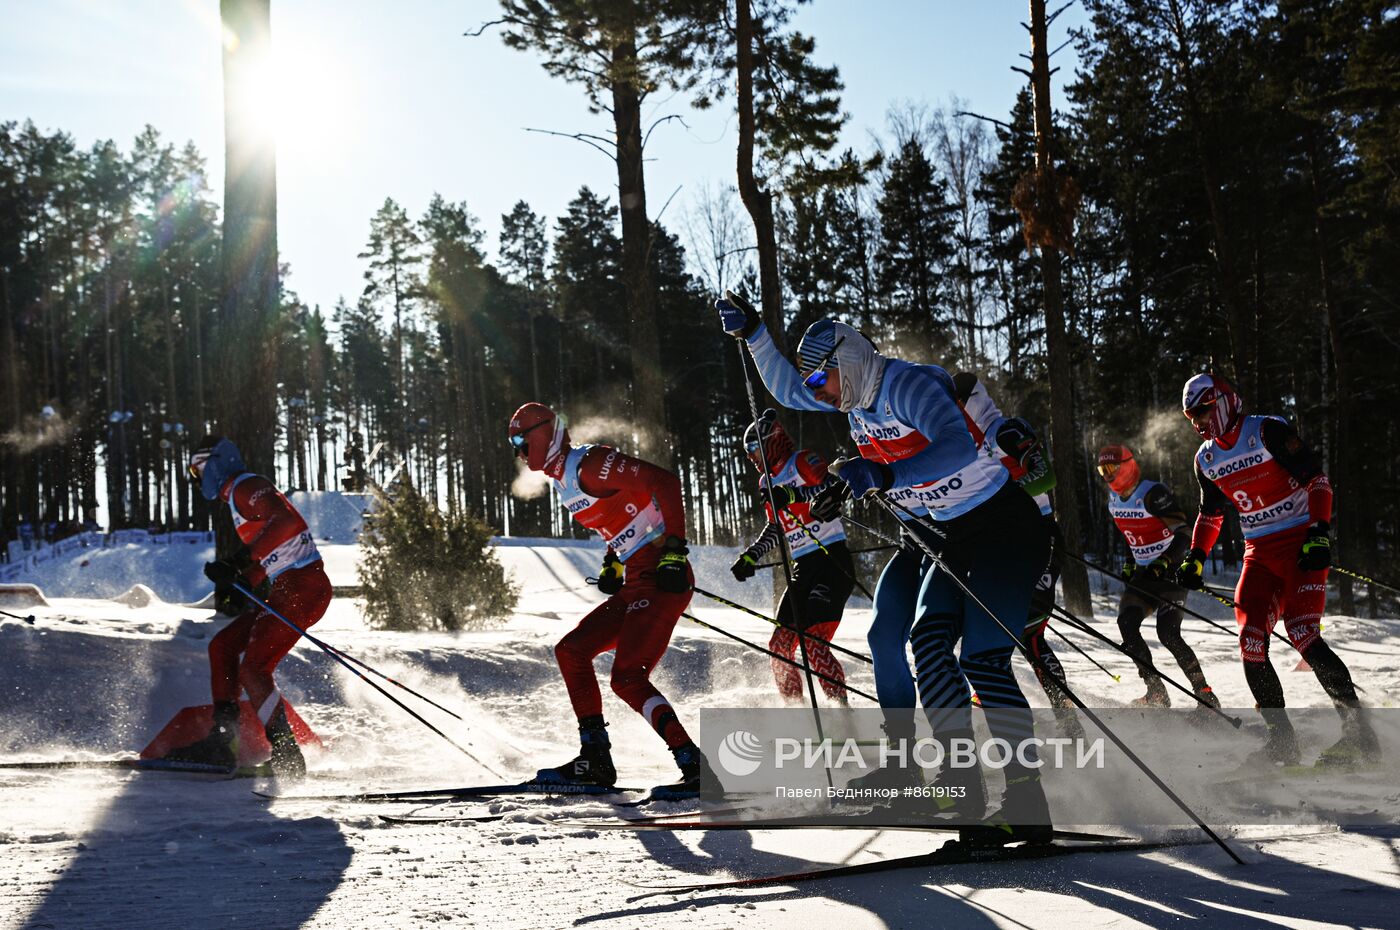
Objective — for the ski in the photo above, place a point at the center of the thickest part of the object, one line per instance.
(469, 791)
(804, 823)
(543, 815)
(950, 853)
(261, 770)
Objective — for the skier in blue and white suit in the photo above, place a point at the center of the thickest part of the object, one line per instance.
(917, 444)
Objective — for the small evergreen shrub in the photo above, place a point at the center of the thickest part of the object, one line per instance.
(423, 569)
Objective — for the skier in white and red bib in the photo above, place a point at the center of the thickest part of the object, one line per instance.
(278, 561)
(822, 574)
(636, 507)
(1260, 466)
(1155, 528)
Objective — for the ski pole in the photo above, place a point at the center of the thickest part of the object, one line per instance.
(937, 560)
(29, 619)
(827, 552)
(740, 607)
(370, 668)
(1360, 577)
(784, 548)
(1076, 647)
(1219, 596)
(853, 552)
(879, 534)
(1157, 597)
(334, 654)
(1083, 627)
(781, 658)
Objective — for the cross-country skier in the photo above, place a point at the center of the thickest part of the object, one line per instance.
(822, 572)
(1154, 526)
(1261, 467)
(1025, 459)
(278, 561)
(636, 507)
(916, 442)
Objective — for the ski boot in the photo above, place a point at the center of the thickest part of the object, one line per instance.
(1207, 696)
(1024, 816)
(960, 794)
(287, 760)
(1281, 748)
(220, 747)
(895, 777)
(593, 765)
(1156, 695)
(1358, 746)
(694, 767)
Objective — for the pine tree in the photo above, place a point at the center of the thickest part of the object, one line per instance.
(915, 242)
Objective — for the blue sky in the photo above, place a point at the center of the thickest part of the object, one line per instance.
(380, 98)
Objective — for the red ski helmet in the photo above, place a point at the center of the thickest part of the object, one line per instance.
(1212, 405)
(1118, 467)
(777, 446)
(538, 436)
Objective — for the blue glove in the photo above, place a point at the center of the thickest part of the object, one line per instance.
(737, 315)
(863, 475)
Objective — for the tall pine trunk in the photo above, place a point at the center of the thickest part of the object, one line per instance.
(245, 402)
(648, 382)
(1064, 431)
(758, 202)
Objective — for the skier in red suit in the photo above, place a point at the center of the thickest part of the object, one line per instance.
(278, 561)
(636, 507)
(1261, 467)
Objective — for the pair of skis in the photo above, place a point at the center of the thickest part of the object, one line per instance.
(261, 770)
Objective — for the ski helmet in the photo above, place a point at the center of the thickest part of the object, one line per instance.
(1212, 405)
(214, 461)
(1118, 467)
(776, 444)
(538, 436)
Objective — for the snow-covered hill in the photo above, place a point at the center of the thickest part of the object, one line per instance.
(94, 849)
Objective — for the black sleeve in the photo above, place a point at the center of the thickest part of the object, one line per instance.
(1288, 448)
(1213, 500)
(964, 383)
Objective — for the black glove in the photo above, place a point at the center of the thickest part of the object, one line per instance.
(671, 569)
(737, 315)
(610, 576)
(827, 504)
(744, 566)
(784, 496)
(1158, 569)
(223, 573)
(1190, 574)
(1316, 553)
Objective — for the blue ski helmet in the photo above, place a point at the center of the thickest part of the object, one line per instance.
(213, 463)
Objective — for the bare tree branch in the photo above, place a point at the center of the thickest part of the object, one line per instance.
(585, 138)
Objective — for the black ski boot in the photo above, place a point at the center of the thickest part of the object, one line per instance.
(898, 725)
(220, 747)
(1281, 748)
(287, 760)
(593, 765)
(1024, 816)
(959, 792)
(1156, 695)
(694, 767)
(1358, 746)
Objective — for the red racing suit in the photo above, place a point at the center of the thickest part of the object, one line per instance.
(243, 654)
(1277, 485)
(634, 506)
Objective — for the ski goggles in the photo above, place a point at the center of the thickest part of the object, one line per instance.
(196, 467)
(519, 443)
(1108, 469)
(1201, 410)
(817, 378)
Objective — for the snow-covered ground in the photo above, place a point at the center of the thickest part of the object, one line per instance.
(94, 676)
